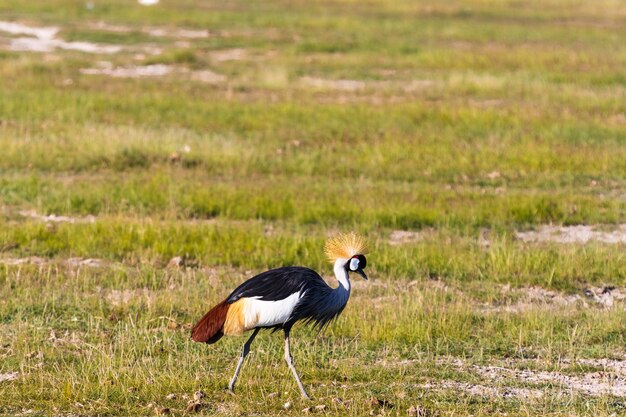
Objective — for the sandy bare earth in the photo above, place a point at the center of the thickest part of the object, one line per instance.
(9, 376)
(610, 380)
(534, 297)
(579, 234)
(36, 260)
(134, 71)
(44, 39)
(157, 32)
(155, 70)
(53, 218)
(351, 86)
(485, 391)
(574, 234)
(402, 237)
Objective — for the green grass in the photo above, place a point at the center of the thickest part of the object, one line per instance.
(455, 120)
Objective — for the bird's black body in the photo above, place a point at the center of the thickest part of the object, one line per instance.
(280, 283)
(277, 284)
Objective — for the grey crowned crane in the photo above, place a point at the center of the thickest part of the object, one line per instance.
(279, 298)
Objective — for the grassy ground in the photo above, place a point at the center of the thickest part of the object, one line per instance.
(277, 124)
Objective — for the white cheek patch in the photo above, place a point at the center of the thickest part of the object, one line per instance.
(354, 264)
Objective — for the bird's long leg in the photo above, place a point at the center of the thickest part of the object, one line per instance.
(244, 352)
(289, 360)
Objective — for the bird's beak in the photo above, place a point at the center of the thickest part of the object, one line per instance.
(360, 272)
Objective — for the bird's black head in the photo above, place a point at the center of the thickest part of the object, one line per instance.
(356, 264)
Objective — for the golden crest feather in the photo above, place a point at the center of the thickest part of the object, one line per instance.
(345, 246)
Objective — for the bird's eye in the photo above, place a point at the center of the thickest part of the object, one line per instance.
(354, 264)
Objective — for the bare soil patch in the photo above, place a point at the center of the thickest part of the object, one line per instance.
(43, 39)
(592, 383)
(340, 85)
(235, 54)
(53, 218)
(36, 260)
(610, 381)
(9, 376)
(574, 234)
(540, 298)
(533, 298)
(135, 71)
(155, 70)
(611, 365)
(92, 262)
(177, 33)
(15, 28)
(208, 76)
(123, 297)
(157, 32)
(403, 237)
(485, 391)
(356, 86)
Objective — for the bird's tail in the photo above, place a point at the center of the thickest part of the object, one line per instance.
(210, 328)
